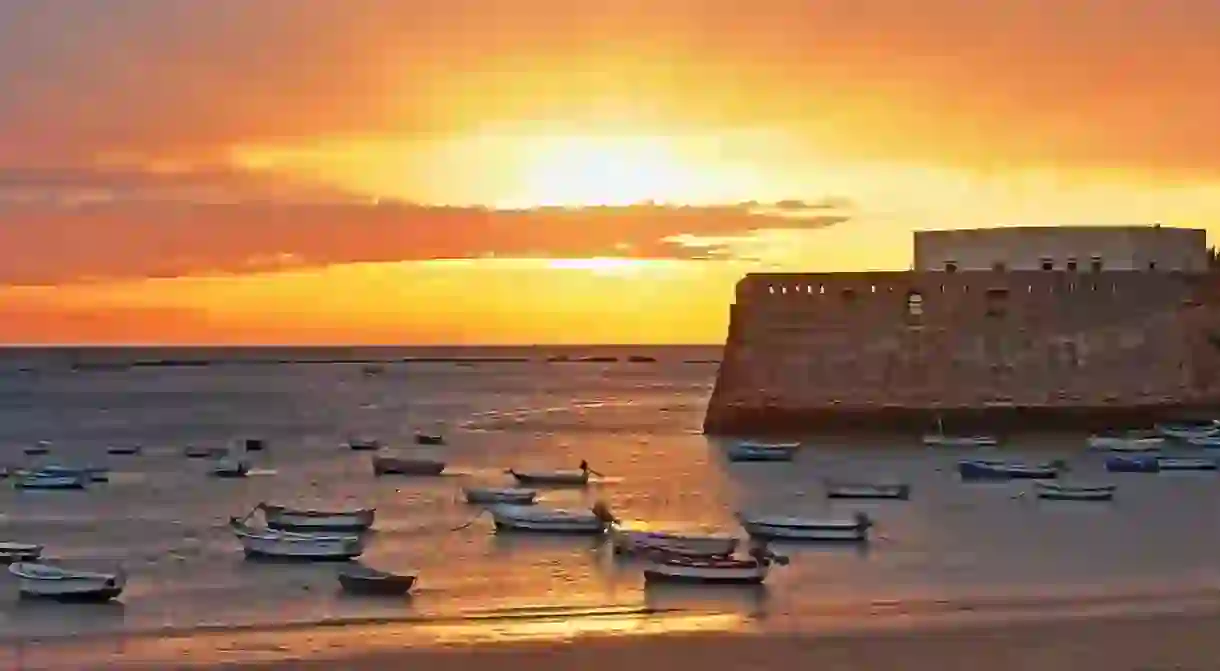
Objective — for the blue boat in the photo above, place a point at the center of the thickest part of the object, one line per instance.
(1143, 463)
(994, 469)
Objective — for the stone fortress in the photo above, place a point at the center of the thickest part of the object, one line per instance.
(1010, 329)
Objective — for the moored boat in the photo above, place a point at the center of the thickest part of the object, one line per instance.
(40, 448)
(389, 465)
(994, 469)
(124, 450)
(254, 444)
(637, 541)
(361, 579)
(296, 519)
(1074, 492)
(836, 489)
(942, 440)
(747, 450)
(1208, 442)
(510, 495)
(1186, 464)
(1125, 443)
(16, 552)
(574, 478)
(199, 452)
(550, 520)
(273, 543)
(1133, 464)
(90, 473)
(429, 439)
(364, 444)
(52, 480)
(1188, 430)
(776, 527)
(717, 570)
(55, 582)
(230, 468)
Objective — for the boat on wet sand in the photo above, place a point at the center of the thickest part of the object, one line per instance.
(390, 465)
(361, 579)
(720, 570)
(840, 489)
(550, 520)
(747, 450)
(58, 583)
(573, 478)
(303, 520)
(272, 543)
(53, 480)
(777, 527)
(640, 542)
(1059, 491)
(510, 495)
(18, 552)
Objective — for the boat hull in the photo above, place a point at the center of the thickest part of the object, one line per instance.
(982, 470)
(377, 586)
(53, 482)
(40, 582)
(664, 572)
(626, 541)
(960, 441)
(557, 479)
(397, 466)
(519, 497)
(533, 520)
(285, 519)
(1169, 464)
(741, 453)
(1133, 465)
(865, 491)
(1068, 493)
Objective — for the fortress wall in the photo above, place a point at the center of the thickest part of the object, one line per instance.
(823, 343)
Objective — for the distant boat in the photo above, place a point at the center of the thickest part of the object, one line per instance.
(867, 490)
(1126, 443)
(754, 451)
(364, 444)
(1207, 442)
(303, 519)
(724, 570)
(91, 473)
(54, 582)
(197, 452)
(1133, 464)
(941, 440)
(387, 465)
(577, 478)
(53, 480)
(429, 439)
(360, 579)
(254, 444)
(641, 358)
(123, 450)
(230, 468)
(989, 469)
(509, 495)
(18, 552)
(550, 520)
(1073, 492)
(637, 541)
(1186, 464)
(37, 449)
(1188, 430)
(285, 545)
(774, 527)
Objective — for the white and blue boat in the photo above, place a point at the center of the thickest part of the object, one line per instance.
(1060, 491)
(1188, 430)
(1142, 463)
(53, 480)
(748, 450)
(1186, 464)
(996, 469)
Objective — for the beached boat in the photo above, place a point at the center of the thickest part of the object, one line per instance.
(361, 579)
(230, 468)
(1126, 443)
(1186, 464)
(994, 469)
(388, 465)
(198, 452)
(1207, 442)
(429, 439)
(364, 444)
(53, 480)
(753, 451)
(37, 449)
(297, 519)
(124, 450)
(15, 552)
(510, 495)
(55, 582)
(1188, 430)
(1133, 464)
(551, 520)
(254, 444)
(635, 541)
(575, 478)
(867, 490)
(1073, 492)
(90, 473)
(775, 527)
(941, 440)
(719, 570)
(287, 545)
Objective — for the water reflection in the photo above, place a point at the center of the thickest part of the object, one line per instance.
(750, 600)
(508, 543)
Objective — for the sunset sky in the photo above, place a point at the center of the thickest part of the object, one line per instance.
(238, 171)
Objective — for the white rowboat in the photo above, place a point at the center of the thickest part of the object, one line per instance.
(510, 495)
(549, 520)
(54, 582)
(303, 520)
(1067, 492)
(18, 552)
(633, 541)
(867, 490)
(287, 545)
(853, 529)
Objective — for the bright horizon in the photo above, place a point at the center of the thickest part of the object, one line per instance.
(223, 172)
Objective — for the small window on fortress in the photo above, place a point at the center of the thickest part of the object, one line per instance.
(950, 266)
(1048, 263)
(1152, 265)
(915, 304)
(999, 266)
(849, 296)
(1072, 266)
(1096, 264)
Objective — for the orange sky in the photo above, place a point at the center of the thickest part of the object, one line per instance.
(227, 171)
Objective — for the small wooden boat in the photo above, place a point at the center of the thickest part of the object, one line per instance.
(37, 449)
(1074, 492)
(1186, 464)
(429, 439)
(989, 469)
(1188, 430)
(754, 451)
(364, 444)
(124, 450)
(254, 444)
(230, 468)
(387, 465)
(1126, 443)
(720, 570)
(510, 495)
(576, 478)
(90, 473)
(17, 552)
(55, 582)
(198, 452)
(360, 579)
(287, 545)
(53, 480)
(1133, 464)
(867, 490)
(854, 529)
(640, 542)
(1207, 442)
(941, 440)
(550, 520)
(295, 519)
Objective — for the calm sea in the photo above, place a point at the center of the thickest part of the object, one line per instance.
(163, 517)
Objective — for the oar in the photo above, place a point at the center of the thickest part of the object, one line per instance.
(470, 521)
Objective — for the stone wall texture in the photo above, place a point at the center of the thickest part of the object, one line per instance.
(812, 351)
